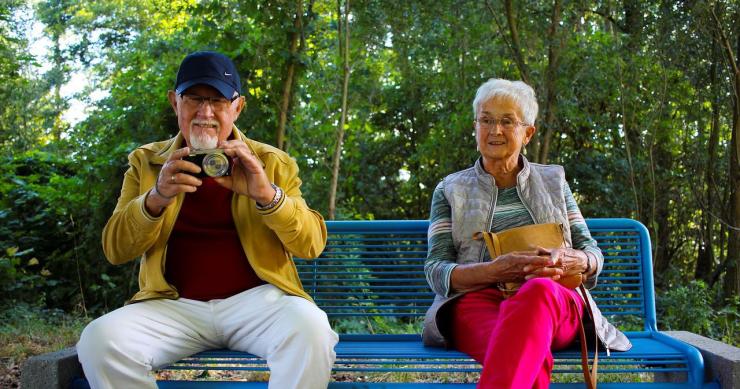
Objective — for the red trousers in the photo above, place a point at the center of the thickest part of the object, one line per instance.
(513, 338)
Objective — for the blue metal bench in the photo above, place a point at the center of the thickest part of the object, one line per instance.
(370, 281)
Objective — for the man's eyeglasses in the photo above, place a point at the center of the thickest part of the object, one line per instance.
(505, 123)
(219, 104)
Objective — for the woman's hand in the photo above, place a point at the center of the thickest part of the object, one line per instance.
(512, 267)
(569, 260)
(518, 266)
(247, 178)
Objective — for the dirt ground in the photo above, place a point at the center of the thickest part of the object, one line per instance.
(10, 375)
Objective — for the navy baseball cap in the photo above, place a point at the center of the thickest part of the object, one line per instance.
(209, 68)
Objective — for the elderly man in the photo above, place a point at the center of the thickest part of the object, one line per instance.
(215, 241)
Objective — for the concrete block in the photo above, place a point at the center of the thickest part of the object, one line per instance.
(51, 371)
(721, 361)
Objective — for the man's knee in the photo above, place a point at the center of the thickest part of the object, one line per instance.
(100, 341)
(93, 343)
(312, 329)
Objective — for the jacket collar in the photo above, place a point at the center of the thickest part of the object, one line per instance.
(521, 177)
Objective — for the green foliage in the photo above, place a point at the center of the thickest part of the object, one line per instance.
(635, 117)
(31, 235)
(45, 197)
(19, 277)
(687, 307)
(693, 307)
(375, 324)
(727, 322)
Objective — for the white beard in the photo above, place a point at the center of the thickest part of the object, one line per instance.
(202, 140)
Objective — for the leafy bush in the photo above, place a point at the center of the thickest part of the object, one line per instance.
(728, 322)
(693, 308)
(21, 278)
(33, 230)
(52, 208)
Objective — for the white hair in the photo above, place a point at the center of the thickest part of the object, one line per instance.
(521, 93)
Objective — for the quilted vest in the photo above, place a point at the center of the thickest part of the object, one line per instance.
(472, 196)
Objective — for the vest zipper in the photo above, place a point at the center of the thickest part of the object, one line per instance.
(490, 216)
(524, 203)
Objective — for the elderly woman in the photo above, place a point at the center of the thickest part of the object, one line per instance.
(512, 337)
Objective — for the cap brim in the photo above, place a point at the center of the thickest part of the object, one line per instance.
(225, 89)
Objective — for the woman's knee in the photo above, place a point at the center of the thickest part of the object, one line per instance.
(538, 288)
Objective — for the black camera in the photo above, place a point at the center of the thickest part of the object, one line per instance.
(212, 162)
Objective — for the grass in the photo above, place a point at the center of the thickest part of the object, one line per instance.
(27, 331)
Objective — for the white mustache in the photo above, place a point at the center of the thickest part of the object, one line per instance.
(205, 123)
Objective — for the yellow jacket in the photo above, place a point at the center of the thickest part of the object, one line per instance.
(269, 238)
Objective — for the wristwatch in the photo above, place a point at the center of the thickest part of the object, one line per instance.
(275, 199)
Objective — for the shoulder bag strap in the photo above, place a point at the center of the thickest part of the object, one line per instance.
(590, 376)
(492, 242)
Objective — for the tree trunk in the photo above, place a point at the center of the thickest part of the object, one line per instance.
(58, 71)
(287, 96)
(663, 193)
(515, 42)
(462, 54)
(344, 54)
(705, 257)
(662, 231)
(556, 43)
(632, 137)
(515, 47)
(731, 285)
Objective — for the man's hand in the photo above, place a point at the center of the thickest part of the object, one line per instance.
(247, 178)
(173, 179)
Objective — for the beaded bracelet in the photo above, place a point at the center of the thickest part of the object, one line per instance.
(275, 200)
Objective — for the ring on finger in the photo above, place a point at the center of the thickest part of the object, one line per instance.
(172, 179)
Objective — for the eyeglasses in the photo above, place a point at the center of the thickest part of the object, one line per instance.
(218, 104)
(506, 123)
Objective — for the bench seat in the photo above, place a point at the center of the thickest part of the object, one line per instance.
(652, 353)
(370, 279)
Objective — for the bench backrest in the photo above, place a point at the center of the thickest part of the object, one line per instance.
(374, 270)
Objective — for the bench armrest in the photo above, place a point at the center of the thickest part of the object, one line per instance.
(52, 370)
(721, 360)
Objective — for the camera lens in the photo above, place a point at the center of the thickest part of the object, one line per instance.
(215, 164)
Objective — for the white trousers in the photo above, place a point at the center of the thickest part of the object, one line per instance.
(119, 349)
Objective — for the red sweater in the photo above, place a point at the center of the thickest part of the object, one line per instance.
(205, 259)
